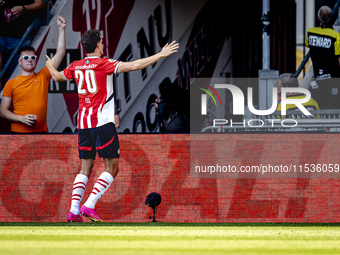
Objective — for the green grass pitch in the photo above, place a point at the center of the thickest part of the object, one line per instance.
(168, 238)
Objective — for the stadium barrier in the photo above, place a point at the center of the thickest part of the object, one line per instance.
(37, 173)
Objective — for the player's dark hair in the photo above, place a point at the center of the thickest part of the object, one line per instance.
(25, 48)
(289, 80)
(90, 39)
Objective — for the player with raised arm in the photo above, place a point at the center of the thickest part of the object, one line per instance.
(96, 124)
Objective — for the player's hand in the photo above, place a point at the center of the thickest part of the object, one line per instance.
(61, 21)
(168, 49)
(17, 10)
(29, 119)
(50, 63)
(2, 2)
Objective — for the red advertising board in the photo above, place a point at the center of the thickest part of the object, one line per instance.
(37, 173)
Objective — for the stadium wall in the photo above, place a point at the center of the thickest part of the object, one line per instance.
(37, 172)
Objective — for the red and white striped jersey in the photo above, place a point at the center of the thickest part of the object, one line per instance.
(94, 77)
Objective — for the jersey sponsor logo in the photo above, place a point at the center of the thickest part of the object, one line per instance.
(86, 66)
(318, 41)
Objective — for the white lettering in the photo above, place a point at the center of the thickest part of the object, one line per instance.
(294, 125)
(261, 112)
(317, 41)
(256, 120)
(238, 123)
(256, 123)
(86, 66)
(220, 122)
(297, 102)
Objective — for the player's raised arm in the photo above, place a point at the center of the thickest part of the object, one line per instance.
(56, 76)
(139, 64)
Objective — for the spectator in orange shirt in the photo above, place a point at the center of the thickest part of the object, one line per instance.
(29, 91)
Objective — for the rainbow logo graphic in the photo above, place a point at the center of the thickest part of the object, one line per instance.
(204, 97)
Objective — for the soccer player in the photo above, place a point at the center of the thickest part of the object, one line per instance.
(97, 131)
